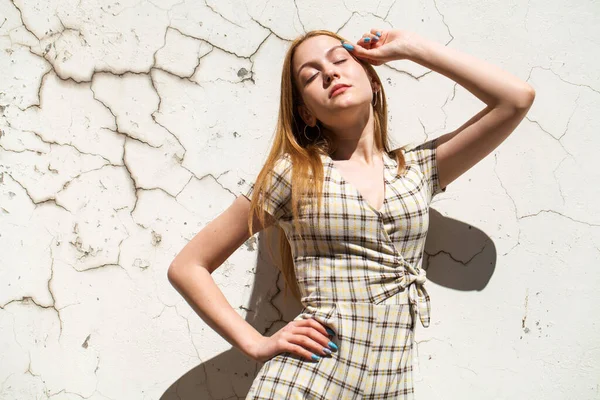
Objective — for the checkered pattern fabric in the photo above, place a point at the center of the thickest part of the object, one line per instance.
(359, 273)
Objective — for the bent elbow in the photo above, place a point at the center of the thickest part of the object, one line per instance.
(174, 274)
(526, 98)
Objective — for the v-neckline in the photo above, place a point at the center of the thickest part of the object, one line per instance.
(355, 189)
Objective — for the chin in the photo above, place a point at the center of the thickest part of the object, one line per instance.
(348, 104)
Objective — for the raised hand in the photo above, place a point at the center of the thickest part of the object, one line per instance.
(380, 46)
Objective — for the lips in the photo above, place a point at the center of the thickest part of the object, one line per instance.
(339, 88)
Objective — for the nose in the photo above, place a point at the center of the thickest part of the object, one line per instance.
(330, 75)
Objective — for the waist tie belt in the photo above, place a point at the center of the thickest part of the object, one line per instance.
(407, 278)
(417, 294)
(412, 281)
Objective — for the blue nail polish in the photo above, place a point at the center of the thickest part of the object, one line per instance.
(315, 357)
(378, 34)
(348, 46)
(330, 331)
(367, 40)
(332, 345)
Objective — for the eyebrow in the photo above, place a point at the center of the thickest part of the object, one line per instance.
(326, 55)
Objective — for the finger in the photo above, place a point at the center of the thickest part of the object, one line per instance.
(368, 40)
(319, 327)
(311, 323)
(310, 345)
(378, 32)
(370, 55)
(288, 342)
(316, 331)
(323, 341)
(300, 351)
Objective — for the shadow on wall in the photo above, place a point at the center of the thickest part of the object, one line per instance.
(468, 254)
(471, 257)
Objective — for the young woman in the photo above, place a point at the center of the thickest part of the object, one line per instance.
(352, 216)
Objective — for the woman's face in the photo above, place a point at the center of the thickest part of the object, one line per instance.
(319, 64)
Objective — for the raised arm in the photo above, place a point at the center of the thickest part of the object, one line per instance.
(508, 98)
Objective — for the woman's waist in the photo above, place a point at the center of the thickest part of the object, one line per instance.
(324, 298)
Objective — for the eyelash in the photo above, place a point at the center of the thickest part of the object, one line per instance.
(312, 77)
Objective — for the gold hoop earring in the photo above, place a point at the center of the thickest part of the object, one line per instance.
(306, 126)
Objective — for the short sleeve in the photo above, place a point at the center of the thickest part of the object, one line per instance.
(425, 156)
(279, 188)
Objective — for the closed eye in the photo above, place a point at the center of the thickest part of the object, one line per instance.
(313, 77)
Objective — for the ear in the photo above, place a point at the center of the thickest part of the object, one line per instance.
(306, 115)
(375, 86)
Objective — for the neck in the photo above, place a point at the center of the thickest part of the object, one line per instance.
(355, 139)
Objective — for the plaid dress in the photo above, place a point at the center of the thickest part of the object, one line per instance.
(359, 273)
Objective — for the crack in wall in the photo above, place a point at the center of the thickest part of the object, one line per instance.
(270, 30)
(187, 324)
(345, 23)
(51, 200)
(562, 195)
(552, 136)
(513, 202)
(443, 107)
(562, 79)
(366, 13)
(387, 14)
(444, 22)
(28, 300)
(23, 21)
(221, 15)
(415, 77)
(559, 214)
(298, 15)
(465, 263)
(153, 115)
(118, 130)
(52, 143)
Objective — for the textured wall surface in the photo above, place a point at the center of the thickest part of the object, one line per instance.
(126, 126)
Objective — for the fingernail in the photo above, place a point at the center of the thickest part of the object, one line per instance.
(378, 34)
(315, 357)
(348, 46)
(332, 345)
(376, 38)
(330, 331)
(327, 351)
(367, 40)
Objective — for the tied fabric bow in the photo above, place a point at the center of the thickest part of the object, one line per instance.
(417, 294)
(411, 280)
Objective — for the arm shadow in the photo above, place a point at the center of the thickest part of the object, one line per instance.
(468, 255)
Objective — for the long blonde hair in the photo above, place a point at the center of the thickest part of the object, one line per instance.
(305, 154)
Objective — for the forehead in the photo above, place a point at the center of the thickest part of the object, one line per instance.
(312, 48)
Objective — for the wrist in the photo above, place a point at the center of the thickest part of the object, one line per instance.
(250, 346)
(415, 47)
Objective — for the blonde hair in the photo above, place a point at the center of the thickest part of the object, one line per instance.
(305, 154)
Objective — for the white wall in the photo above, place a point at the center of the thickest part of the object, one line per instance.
(127, 126)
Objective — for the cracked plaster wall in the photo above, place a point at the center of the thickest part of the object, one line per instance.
(116, 121)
